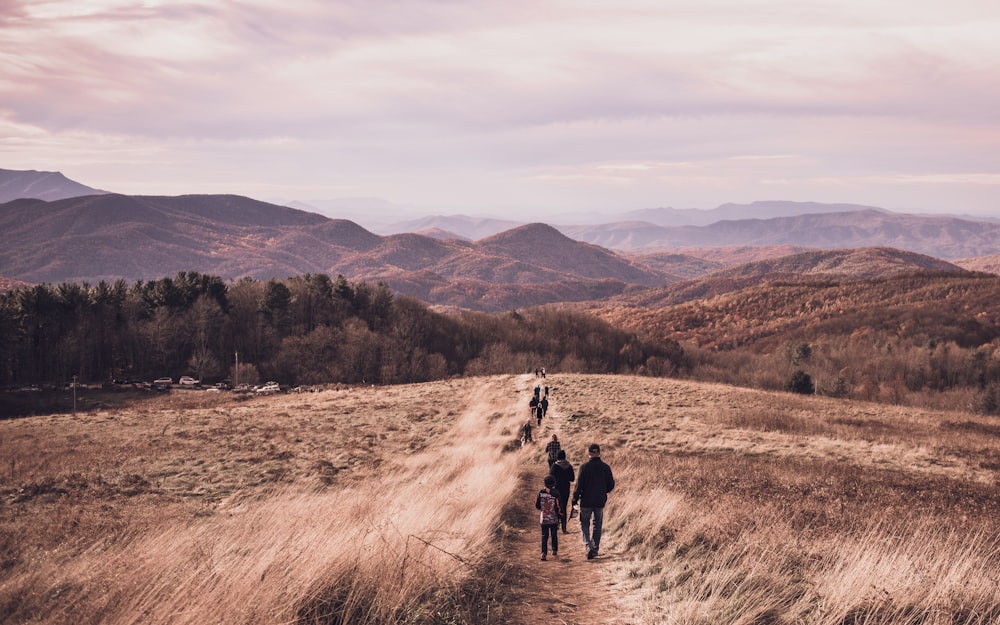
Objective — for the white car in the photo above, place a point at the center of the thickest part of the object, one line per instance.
(187, 380)
(164, 381)
(268, 388)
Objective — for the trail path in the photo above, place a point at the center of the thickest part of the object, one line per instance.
(567, 589)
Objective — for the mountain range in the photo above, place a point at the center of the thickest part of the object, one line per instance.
(106, 236)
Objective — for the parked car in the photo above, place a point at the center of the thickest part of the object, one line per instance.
(187, 380)
(164, 381)
(268, 388)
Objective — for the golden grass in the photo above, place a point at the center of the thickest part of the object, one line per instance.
(386, 505)
(746, 507)
(339, 507)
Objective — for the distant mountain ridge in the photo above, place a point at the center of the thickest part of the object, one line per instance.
(766, 209)
(107, 237)
(111, 236)
(939, 236)
(42, 185)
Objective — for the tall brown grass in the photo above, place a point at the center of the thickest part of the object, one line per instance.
(393, 539)
(748, 508)
(388, 505)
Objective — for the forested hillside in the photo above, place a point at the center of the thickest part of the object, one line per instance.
(926, 338)
(303, 330)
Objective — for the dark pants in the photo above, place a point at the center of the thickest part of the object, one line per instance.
(564, 507)
(591, 540)
(550, 530)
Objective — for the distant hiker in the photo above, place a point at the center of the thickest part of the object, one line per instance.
(539, 415)
(546, 389)
(538, 391)
(526, 433)
(533, 405)
(547, 501)
(543, 372)
(543, 405)
(593, 484)
(563, 472)
(552, 449)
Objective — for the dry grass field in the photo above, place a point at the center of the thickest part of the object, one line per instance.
(411, 504)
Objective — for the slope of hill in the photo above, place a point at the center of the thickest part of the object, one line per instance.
(543, 245)
(42, 185)
(870, 262)
(960, 307)
(8, 284)
(107, 237)
(943, 237)
(684, 266)
(729, 502)
(989, 264)
(473, 228)
(813, 266)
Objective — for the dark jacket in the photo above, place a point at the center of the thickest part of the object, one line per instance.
(563, 471)
(593, 483)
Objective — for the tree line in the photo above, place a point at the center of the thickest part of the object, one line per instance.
(308, 329)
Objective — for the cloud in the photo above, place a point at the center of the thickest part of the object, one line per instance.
(438, 96)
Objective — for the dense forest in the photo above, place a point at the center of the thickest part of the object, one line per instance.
(307, 329)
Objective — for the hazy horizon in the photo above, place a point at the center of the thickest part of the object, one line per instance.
(523, 110)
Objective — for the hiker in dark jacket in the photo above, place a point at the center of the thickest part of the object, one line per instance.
(593, 483)
(552, 450)
(562, 470)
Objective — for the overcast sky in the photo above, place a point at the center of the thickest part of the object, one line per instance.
(512, 108)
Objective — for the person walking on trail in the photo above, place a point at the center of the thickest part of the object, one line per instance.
(563, 472)
(533, 405)
(526, 433)
(593, 483)
(543, 405)
(552, 449)
(547, 501)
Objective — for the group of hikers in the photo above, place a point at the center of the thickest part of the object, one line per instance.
(589, 496)
(539, 406)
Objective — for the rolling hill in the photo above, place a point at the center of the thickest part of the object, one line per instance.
(804, 267)
(936, 305)
(107, 237)
(110, 236)
(42, 185)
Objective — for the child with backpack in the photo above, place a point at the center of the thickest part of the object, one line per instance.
(547, 501)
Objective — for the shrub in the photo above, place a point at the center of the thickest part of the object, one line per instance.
(801, 383)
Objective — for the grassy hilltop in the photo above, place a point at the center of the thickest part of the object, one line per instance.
(402, 504)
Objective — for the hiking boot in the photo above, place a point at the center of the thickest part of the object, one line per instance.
(544, 558)
(591, 554)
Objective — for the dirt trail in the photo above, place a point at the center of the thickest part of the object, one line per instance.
(566, 589)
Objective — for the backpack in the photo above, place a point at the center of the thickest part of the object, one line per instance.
(549, 506)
